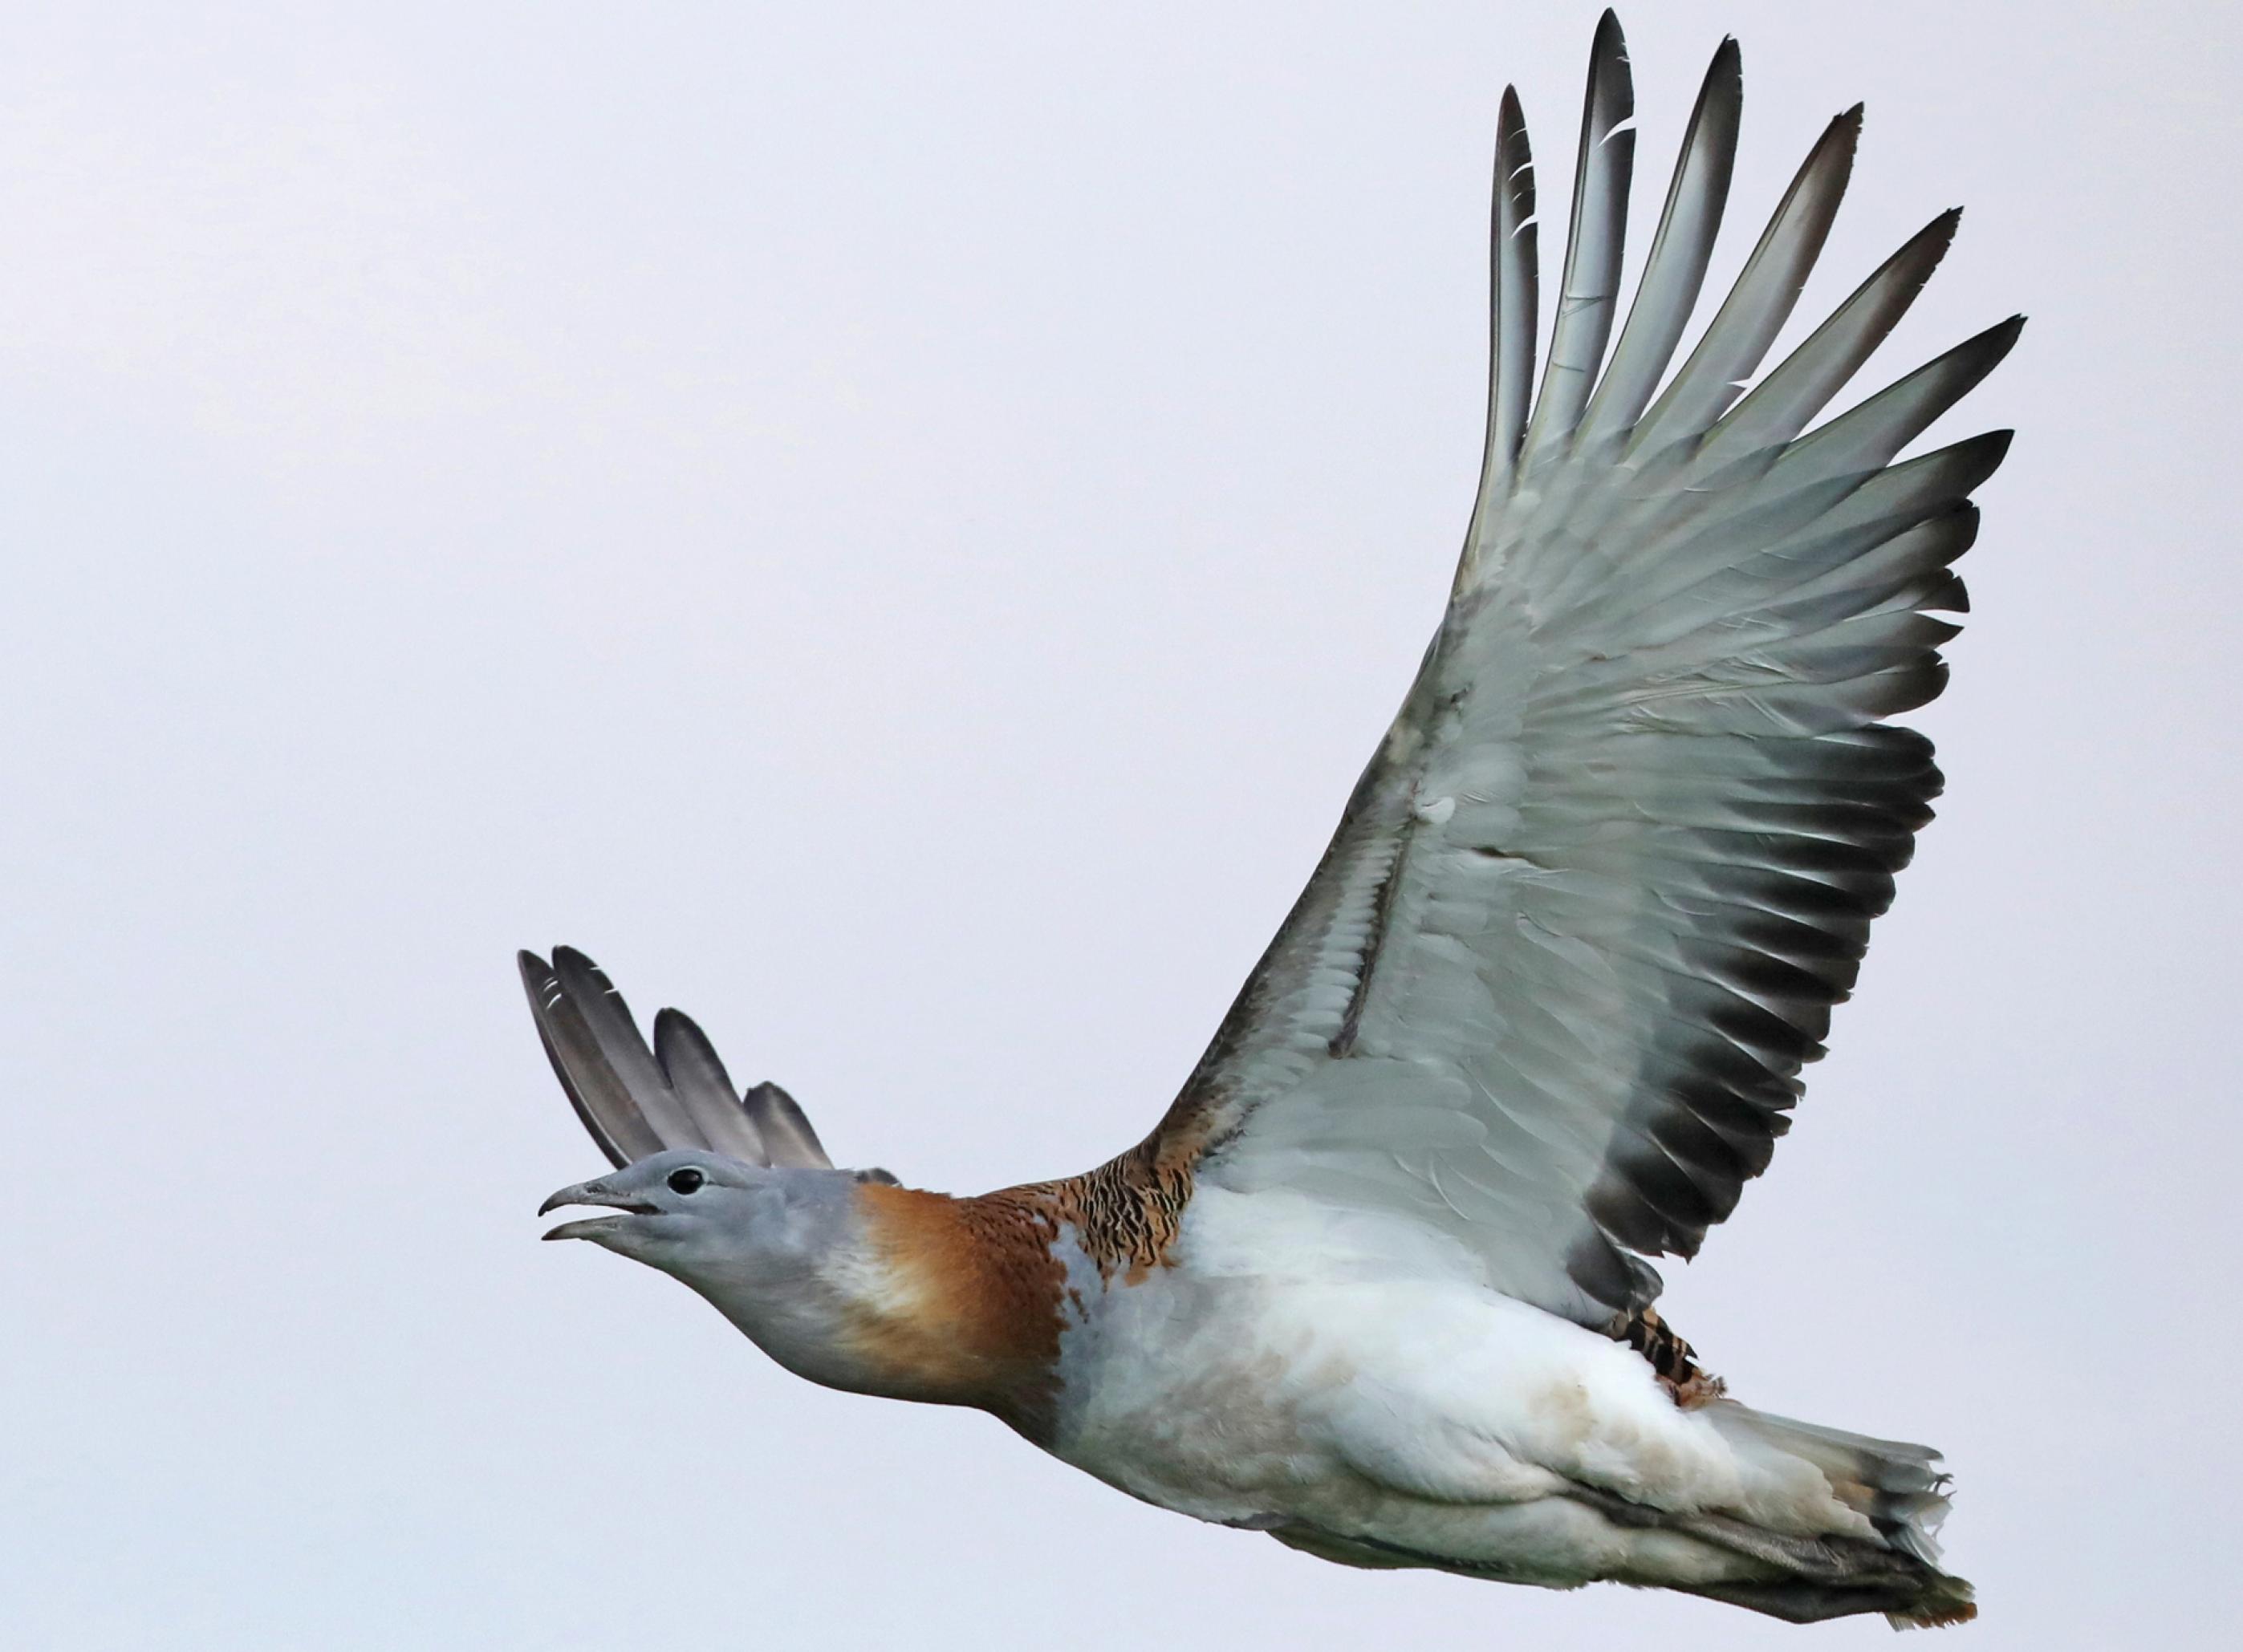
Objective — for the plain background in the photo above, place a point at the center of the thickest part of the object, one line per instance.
(894, 528)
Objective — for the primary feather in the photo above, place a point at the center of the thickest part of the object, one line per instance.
(1587, 913)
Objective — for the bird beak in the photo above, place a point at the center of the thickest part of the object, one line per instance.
(594, 1193)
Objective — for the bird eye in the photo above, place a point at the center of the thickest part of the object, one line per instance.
(688, 1180)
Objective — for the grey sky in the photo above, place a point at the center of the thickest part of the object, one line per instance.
(894, 528)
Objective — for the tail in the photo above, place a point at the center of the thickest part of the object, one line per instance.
(1901, 1490)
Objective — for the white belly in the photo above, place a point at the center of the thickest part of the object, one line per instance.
(1292, 1371)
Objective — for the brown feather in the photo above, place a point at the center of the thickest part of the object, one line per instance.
(968, 1311)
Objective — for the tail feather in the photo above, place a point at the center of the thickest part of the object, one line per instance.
(1898, 1487)
(1800, 1600)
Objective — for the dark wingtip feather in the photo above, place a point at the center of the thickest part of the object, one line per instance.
(1780, 405)
(1842, 137)
(603, 1100)
(1837, 147)
(1978, 355)
(1920, 255)
(536, 973)
(1763, 296)
(1608, 53)
(634, 1101)
(1514, 183)
(1607, 1274)
(623, 1049)
(675, 1031)
(1927, 246)
(1511, 138)
(1726, 72)
(1515, 176)
(785, 1128)
(1668, 288)
(1595, 235)
(1514, 306)
(696, 1074)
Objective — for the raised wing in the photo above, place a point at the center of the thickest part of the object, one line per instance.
(1582, 924)
(635, 1101)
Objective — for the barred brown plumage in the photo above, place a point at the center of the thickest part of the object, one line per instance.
(1124, 1213)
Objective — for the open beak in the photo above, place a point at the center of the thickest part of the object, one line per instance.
(593, 1192)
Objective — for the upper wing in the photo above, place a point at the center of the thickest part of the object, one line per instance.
(635, 1101)
(1583, 922)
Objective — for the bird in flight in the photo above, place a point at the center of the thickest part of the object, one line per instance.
(1377, 1283)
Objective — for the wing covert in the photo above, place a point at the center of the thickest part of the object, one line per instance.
(1585, 914)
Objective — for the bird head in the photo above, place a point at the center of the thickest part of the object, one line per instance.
(718, 1224)
(780, 1252)
(730, 1194)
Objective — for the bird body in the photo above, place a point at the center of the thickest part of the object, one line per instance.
(1348, 1384)
(1377, 1283)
